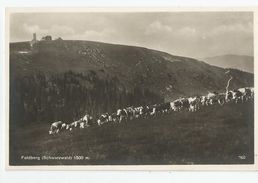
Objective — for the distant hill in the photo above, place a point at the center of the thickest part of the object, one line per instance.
(66, 77)
(241, 62)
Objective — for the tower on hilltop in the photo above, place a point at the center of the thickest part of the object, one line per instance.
(34, 40)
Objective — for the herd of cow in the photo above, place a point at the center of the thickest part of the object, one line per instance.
(191, 104)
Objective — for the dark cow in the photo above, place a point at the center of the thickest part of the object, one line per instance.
(145, 111)
(185, 104)
(162, 108)
(176, 105)
(237, 95)
(229, 96)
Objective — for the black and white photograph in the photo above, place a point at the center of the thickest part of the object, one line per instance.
(138, 88)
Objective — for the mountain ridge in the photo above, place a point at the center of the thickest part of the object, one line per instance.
(151, 68)
(241, 62)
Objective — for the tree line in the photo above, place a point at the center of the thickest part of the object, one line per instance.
(68, 96)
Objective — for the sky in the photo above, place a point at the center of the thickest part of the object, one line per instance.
(190, 34)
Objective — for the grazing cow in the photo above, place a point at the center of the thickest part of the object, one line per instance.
(194, 103)
(130, 112)
(242, 90)
(153, 110)
(176, 105)
(221, 98)
(73, 125)
(212, 98)
(252, 91)
(229, 96)
(145, 111)
(82, 123)
(185, 104)
(204, 100)
(114, 117)
(103, 119)
(122, 115)
(137, 112)
(246, 93)
(110, 119)
(237, 96)
(163, 108)
(63, 126)
(86, 121)
(68, 127)
(55, 127)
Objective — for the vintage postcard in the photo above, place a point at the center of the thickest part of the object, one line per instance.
(131, 89)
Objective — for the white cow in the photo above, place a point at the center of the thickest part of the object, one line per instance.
(137, 112)
(221, 97)
(212, 98)
(86, 121)
(204, 100)
(153, 112)
(246, 93)
(130, 113)
(55, 127)
(194, 103)
(122, 114)
(103, 119)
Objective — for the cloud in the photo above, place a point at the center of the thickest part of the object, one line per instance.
(32, 29)
(102, 35)
(190, 34)
(61, 30)
(157, 27)
(187, 31)
(231, 28)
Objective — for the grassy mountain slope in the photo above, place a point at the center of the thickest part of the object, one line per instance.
(168, 75)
